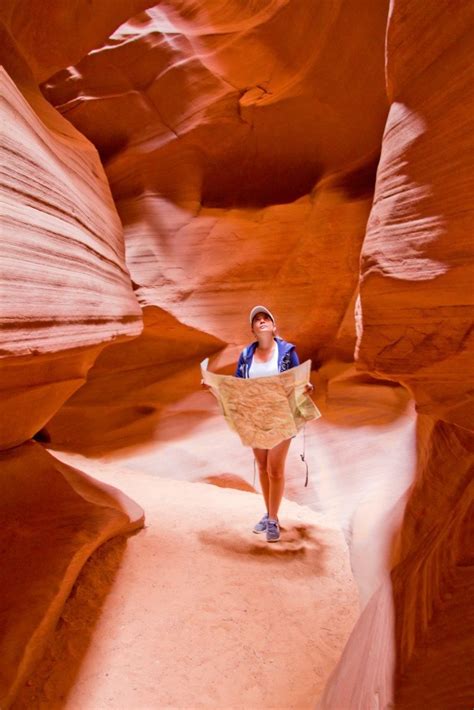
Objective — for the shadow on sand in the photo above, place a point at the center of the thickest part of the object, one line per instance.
(298, 541)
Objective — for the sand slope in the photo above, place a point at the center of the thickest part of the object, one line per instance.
(195, 611)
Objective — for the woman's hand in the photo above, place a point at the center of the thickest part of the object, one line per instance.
(309, 388)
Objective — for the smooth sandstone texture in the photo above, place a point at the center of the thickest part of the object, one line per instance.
(259, 176)
(52, 35)
(417, 267)
(66, 293)
(131, 386)
(238, 183)
(69, 261)
(65, 288)
(417, 627)
(53, 518)
(415, 322)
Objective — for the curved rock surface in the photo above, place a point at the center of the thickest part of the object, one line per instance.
(240, 182)
(66, 293)
(50, 36)
(415, 325)
(243, 175)
(417, 269)
(53, 517)
(65, 287)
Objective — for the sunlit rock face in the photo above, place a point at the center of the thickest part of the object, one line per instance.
(417, 269)
(415, 325)
(242, 159)
(65, 286)
(66, 294)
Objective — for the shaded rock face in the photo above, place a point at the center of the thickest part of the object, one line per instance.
(256, 175)
(235, 183)
(415, 325)
(49, 37)
(66, 293)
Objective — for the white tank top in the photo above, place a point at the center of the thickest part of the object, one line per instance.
(265, 369)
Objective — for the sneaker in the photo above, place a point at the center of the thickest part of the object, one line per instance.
(273, 531)
(261, 526)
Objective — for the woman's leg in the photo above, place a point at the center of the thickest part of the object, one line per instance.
(261, 456)
(276, 474)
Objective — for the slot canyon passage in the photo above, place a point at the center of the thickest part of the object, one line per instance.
(165, 167)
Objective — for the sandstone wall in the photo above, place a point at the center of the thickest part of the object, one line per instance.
(66, 293)
(415, 325)
(236, 182)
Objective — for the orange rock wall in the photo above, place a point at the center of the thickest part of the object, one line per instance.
(66, 290)
(417, 268)
(236, 182)
(66, 293)
(415, 325)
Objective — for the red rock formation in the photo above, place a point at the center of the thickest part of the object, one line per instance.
(51, 36)
(240, 182)
(130, 385)
(66, 293)
(257, 177)
(415, 323)
(66, 290)
(53, 518)
(417, 270)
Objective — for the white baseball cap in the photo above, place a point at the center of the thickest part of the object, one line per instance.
(260, 309)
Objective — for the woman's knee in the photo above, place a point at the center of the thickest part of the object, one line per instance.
(275, 471)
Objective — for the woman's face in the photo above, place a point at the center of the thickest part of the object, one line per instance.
(262, 323)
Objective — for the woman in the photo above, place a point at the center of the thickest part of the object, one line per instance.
(267, 356)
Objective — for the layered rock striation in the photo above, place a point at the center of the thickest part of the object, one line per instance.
(238, 182)
(66, 294)
(415, 320)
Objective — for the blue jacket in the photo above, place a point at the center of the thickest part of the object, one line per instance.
(287, 357)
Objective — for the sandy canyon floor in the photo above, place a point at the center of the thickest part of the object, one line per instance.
(195, 611)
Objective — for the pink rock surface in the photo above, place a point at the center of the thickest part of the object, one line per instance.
(66, 293)
(417, 269)
(65, 288)
(245, 181)
(70, 257)
(415, 325)
(53, 518)
(243, 175)
(413, 642)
